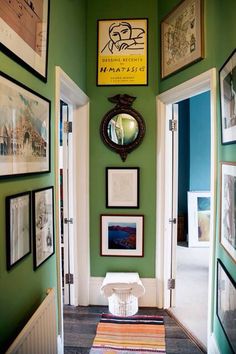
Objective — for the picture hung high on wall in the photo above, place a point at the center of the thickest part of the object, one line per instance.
(228, 100)
(122, 235)
(24, 33)
(182, 37)
(43, 225)
(18, 227)
(24, 130)
(226, 304)
(228, 208)
(122, 52)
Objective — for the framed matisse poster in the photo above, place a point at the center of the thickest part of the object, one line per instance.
(24, 33)
(18, 227)
(122, 52)
(43, 225)
(24, 129)
(228, 100)
(122, 235)
(182, 37)
(228, 208)
(226, 304)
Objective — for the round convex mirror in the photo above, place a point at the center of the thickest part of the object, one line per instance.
(122, 129)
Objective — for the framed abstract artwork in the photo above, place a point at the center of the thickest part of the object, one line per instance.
(122, 187)
(122, 235)
(24, 28)
(182, 37)
(24, 129)
(18, 227)
(228, 100)
(43, 225)
(228, 208)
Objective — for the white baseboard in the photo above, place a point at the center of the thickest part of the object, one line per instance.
(212, 345)
(148, 299)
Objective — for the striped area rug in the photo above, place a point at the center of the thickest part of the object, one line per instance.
(134, 334)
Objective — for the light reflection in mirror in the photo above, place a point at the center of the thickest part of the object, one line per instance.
(122, 129)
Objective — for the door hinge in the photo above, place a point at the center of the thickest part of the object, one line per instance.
(69, 278)
(173, 125)
(67, 127)
(68, 221)
(171, 284)
(172, 221)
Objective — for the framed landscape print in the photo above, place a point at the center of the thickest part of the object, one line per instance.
(43, 225)
(199, 216)
(182, 37)
(228, 208)
(122, 187)
(24, 129)
(122, 235)
(226, 304)
(24, 33)
(228, 100)
(18, 227)
(122, 52)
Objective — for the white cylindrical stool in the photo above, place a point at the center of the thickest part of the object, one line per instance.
(122, 291)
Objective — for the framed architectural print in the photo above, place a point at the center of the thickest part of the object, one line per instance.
(24, 129)
(18, 227)
(122, 187)
(182, 37)
(24, 33)
(199, 215)
(43, 225)
(122, 235)
(226, 304)
(228, 100)
(122, 52)
(228, 207)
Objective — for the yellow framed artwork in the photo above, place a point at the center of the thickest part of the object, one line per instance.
(122, 52)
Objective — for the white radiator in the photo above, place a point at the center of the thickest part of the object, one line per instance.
(39, 334)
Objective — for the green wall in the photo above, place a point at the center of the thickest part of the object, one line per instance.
(143, 157)
(21, 288)
(220, 41)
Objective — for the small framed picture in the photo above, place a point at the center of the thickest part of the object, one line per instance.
(18, 227)
(122, 187)
(199, 214)
(228, 100)
(226, 303)
(122, 235)
(228, 207)
(43, 225)
(182, 37)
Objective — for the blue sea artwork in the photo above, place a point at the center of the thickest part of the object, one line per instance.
(203, 203)
(122, 236)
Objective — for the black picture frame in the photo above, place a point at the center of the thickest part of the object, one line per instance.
(122, 187)
(25, 34)
(18, 227)
(227, 78)
(226, 303)
(25, 129)
(43, 225)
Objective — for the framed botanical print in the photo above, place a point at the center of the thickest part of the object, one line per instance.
(18, 227)
(24, 33)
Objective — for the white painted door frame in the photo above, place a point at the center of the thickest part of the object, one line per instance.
(70, 93)
(199, 84)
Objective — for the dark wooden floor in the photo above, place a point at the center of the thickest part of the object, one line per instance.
(80, 328)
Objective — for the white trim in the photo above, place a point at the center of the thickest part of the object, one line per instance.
(60, 346)
(202, 83)
(148, 299)
(69, 92)
(212, 345)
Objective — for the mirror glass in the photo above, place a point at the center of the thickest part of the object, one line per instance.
(122, 129)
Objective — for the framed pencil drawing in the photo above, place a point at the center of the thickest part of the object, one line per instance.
(122, 187)
(228, 207)
(182, 37)
(24, 28)
(122, 235)
(228, 100)
(43, 225)
(24, 129)
(18, 227)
